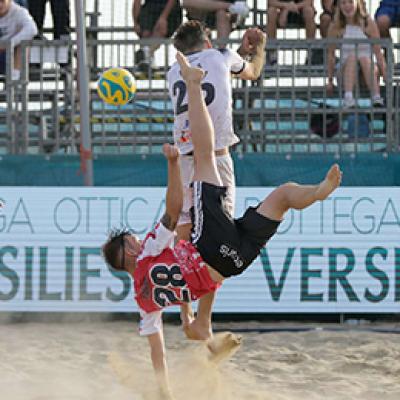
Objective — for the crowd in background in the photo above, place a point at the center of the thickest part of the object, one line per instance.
(346, 19)
(23, 20)
(160, 19)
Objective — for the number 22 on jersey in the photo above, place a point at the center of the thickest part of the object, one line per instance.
(179, 90)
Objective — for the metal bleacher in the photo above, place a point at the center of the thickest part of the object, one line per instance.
(41, 112)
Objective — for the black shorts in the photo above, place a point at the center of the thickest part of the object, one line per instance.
(295, 19)
(151, 11)
(228, 245)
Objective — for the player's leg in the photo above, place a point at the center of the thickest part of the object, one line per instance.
(293, 195)
(187, 315)
(201, 127)
(200, 328)
(205, 170)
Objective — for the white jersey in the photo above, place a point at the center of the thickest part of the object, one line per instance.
(17, 25)
(217, 89)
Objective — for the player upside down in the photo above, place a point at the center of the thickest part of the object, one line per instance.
(220, 246)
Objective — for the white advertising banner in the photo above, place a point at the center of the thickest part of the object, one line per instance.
(340, 255)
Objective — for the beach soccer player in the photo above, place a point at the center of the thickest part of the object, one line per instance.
(219, 64)
(165, 274)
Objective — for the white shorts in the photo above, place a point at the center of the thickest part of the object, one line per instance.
(226, 172)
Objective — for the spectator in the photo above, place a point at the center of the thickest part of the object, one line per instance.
(352, 22)
(280, 12)
(16, 25)
(60, 11)
(217, 15)
(154, 19)
(387, 15)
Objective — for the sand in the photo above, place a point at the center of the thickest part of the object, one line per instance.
(108, 360)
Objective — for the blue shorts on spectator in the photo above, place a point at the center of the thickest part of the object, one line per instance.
(357, 126)
(391, 9)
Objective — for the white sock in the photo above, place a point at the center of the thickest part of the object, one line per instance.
(376, 96)
(15, 74)
(348, 95)
(147, 53)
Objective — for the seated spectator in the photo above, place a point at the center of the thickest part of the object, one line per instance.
(280, 12)
(16, 25)
(219, 15)
(154, 19)
(387, 15)
(352, 22)
(326, 17)
(60, 11)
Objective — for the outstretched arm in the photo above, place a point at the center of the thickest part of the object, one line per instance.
(157, 349)
(174, 197)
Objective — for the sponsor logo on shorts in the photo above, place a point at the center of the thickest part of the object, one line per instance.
(226, 251)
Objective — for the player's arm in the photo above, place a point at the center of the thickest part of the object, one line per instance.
(174, 197)
(158, 359)
(253, 68)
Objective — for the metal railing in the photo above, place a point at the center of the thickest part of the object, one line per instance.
(7, 102)
(273, 114)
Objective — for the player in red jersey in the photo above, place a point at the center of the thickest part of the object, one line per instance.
(220, 246)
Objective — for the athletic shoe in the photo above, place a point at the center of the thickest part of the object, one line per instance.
(349, 102)
(378, 102)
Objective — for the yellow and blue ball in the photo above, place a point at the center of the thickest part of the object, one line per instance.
(116, 86)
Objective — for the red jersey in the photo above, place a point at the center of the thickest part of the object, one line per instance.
(166, 276)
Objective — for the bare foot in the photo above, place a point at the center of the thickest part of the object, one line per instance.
(330, 183)
(223, 345)
(197, 330)
(189, 74)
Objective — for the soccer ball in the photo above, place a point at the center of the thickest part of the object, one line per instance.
(116, 86)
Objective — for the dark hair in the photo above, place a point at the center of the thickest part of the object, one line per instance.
(190, 36)
(113, 249)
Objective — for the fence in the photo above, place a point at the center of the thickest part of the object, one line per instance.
(7, 127)
(273, 114)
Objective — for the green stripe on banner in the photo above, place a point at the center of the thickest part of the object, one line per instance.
(373, 169)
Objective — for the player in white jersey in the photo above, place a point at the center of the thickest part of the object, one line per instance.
(192, 40)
